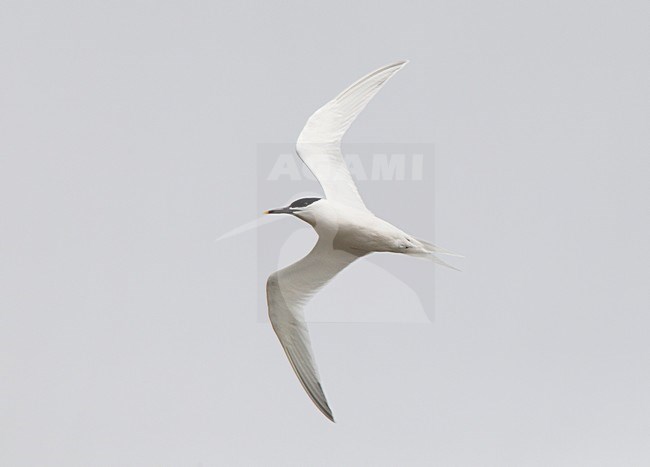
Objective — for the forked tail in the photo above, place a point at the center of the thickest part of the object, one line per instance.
(429, 251)
(431, 248)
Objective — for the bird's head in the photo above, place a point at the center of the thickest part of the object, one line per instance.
(302, 208)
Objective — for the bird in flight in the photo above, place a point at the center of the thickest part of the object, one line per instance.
(346, 229)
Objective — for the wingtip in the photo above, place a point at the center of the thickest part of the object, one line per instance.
(398, 64)
(325, 410)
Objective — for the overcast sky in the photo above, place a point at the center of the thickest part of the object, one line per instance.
(130, 138)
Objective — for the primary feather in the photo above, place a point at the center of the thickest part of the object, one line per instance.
(319, 143)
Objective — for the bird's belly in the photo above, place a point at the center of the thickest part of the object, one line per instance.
(369, 237)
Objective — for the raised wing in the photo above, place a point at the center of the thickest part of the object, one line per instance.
(319, 143)
(287, 291)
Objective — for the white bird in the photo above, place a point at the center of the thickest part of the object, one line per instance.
(346, 229)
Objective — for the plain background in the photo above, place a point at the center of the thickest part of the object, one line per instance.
(128, 136)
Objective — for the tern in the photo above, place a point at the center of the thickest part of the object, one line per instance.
(346, 228)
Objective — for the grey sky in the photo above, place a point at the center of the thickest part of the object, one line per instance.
(129, 135)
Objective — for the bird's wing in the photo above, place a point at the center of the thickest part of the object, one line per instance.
(319, 143)
(287, 291)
